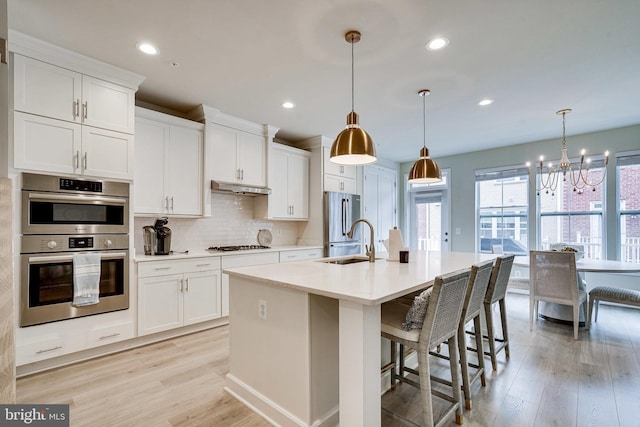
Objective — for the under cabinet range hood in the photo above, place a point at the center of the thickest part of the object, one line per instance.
(248, 190)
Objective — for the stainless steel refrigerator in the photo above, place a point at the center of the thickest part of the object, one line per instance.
(340, 210)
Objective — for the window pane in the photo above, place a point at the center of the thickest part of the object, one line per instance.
(584, 230)
(502, 214)
(564, 199)
(629, 204)
(630, 238)
(629, 177)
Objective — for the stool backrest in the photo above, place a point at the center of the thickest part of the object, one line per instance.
(478, 284)
(553, 275)
(499, 279)
(444, 309)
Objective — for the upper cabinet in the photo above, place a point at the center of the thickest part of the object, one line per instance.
(289, 183)
(380, 202)
(169, 165)
(50, 91)
(238, 156)
(72, 114)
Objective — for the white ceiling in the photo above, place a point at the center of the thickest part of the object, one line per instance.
(246, 57)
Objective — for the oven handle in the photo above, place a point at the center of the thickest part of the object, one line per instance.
(76, 199)
(108, 255)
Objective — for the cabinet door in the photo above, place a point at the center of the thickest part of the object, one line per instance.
(184, 175)
(148, 182)
(106, 153)
(46, 90)
(387, 217)
(340, 185)
(47, 145)
(224, 159)
(160, 305)
(279, 206)
(336, 169)
(298, 177)
(251, 158)
(224, 295)
(107, 105)
(201, 297)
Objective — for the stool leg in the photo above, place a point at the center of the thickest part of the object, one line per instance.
(455, 376)
(505, 332)
(478, 327)
(597, 305)
(394, 361)
(464, 367)
(492, 343)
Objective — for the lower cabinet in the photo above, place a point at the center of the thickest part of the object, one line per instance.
(177, 293)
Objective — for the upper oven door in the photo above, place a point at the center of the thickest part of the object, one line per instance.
(55, 213)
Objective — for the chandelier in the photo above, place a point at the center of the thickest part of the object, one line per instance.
(578, 173)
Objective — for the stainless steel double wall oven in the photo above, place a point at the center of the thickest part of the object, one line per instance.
(62, 216)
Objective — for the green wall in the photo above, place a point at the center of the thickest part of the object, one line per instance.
(463, 168)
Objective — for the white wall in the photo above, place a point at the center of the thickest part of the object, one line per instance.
(231, 223)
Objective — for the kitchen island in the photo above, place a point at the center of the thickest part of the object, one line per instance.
(305, 336)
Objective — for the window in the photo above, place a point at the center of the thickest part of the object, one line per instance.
(502, 200)
(428, 214)
(574, 217)
(628, 173)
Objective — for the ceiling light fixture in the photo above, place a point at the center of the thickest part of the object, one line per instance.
(147, 48)
(353, 146)
(288, 104)
(437, 43)
(485, 102)
(425, 170)
(579, 178)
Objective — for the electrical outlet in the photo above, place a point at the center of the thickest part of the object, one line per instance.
(262, 309)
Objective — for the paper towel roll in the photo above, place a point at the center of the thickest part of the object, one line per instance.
(395, 244)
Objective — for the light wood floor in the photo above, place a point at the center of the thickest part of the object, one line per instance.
(550, 380)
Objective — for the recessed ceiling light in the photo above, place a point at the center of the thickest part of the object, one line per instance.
(485, 102)
(147, 48)
(288, 104)
(437, 43)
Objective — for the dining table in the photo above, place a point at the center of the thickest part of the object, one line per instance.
(563, 313)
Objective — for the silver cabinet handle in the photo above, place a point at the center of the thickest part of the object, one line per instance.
(171, 202)
(186, 284)
(104, 337)
(203, 265)
(84, 161)
(181, 285)
(166, 203)
(76, 159)
(84, 109)
(76, 108)
(238, 174)
(162, 268)
(241, 174)
(46, 350)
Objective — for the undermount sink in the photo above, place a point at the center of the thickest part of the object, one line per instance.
(345, 261)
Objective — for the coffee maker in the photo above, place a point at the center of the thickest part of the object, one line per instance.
(157, 238)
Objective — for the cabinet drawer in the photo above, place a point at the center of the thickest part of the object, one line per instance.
(162, 268)
(300, 255)
(111, 333)
(40, 350)
(250, 259)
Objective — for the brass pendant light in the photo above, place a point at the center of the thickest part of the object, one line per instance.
(425, 170)
(353, 146)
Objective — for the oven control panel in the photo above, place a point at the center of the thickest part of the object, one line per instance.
(66, 243)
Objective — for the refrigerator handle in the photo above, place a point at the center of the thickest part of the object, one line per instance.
(343, 217)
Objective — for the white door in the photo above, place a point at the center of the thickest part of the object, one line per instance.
(298, 177)
(160, 303)
(107, 105)
(201, 297)
(279, 183)
(251, 158)
(106, 153)
(148, 182)
(225, 153)
(184, 171)
(429, 225)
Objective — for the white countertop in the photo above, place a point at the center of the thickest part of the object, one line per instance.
(364, 282)
(205, 253)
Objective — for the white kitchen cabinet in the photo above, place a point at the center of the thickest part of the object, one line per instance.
(238, 156)
(300, 254)
(380, 202)
(339, 178)
(339, 184)
(344, 171)
(245, 260)
(289, 183)
(177, 293)
(169, 158)
(57, 146)
(48, 90)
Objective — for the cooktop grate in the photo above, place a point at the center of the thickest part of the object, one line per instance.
(237, 248)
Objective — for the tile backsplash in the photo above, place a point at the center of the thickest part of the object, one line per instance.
(231, 223)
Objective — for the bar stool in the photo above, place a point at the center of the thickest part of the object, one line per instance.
(496, 293)
(443, 313)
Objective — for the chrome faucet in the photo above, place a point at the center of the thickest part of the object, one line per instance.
(371, 249)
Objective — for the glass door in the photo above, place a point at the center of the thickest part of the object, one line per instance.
(429, 228)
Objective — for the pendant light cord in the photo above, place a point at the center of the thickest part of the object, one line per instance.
(424, 121)
(352, 73)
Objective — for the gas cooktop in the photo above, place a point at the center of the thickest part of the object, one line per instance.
(237, 248)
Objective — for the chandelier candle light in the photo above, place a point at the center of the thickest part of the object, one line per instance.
(425, 170)
(353, 146)
(579, 178)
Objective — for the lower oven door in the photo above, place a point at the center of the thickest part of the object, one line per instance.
(46, 293)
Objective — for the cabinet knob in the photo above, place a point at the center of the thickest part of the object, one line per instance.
(52, 244)
(108, 243)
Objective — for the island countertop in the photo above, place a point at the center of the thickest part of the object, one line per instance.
(363, 282)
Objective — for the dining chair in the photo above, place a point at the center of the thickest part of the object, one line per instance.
(554, 278)
(496, 292)
(521, 283)
(440, 324)
(471, 309)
